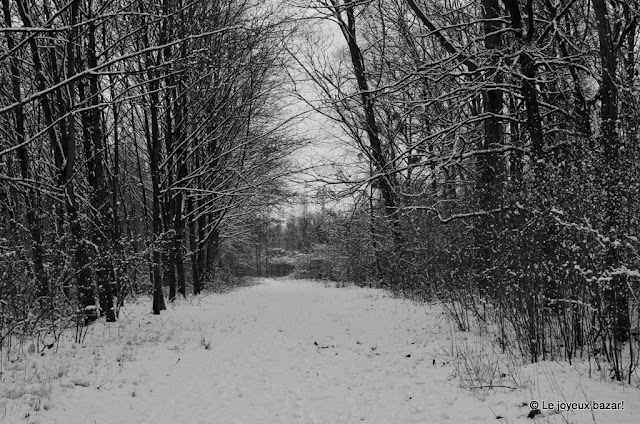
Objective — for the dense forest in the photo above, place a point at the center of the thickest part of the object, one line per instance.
(136, 138)
(492, 158)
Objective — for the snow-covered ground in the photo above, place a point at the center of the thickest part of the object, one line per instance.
(291, 351)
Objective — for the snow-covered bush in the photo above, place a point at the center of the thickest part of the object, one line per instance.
(318, 264)
(280, 262)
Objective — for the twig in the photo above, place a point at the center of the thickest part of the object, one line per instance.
(492, 386)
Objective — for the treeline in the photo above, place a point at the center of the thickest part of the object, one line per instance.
(136, 139)
(497, 163)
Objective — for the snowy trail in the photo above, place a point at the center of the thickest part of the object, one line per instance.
(264, 365)
(282, 351)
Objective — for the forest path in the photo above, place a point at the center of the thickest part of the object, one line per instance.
(281, 351)
(287, 351)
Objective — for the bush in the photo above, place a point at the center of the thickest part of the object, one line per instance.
(281, 263)
(320, 264)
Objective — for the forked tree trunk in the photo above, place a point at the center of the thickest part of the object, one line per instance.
(344, 13)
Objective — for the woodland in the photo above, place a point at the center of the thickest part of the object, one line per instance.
(489, 159)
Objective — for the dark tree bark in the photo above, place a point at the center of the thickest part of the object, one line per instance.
(581, 107)
(94, 141)
(611, 142)
(119, 269)
(489, 180)
(371, 126)
(68, 131)
(202, 241)
(193, 247)
(154, 149)
(65, 153)
(385, 179)
(178, 218)
(489, 164)
(31, 203)
(145, 204)
(169, 239)
(529, 91)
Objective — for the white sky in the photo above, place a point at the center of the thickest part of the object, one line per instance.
(328, 150)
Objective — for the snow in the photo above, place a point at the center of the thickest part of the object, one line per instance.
(293, 351)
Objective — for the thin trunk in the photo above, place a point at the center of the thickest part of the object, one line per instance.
(202, 234)
(178, 222)
(64, 154)
(168, 200)
(581, 107)
(154, 150)
(193, 246)
(529, 91)
(119, 271)
(102, 235)
(611, 142)
(385, 179)
(181, 165)
(31, 204)
(169, 239)
(145, 204)
(154, 156)
(81, 255)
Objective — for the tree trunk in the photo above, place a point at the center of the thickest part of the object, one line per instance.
(616, 294)
(490, 169)
(154, 150)
(99, 199)
(119, 269)
(31, 204)
(529, 91)
(68, 131)
(193, 247)
(145, 205)
(64, 150)
(154, 162)
(178, 218)
(385, 178)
